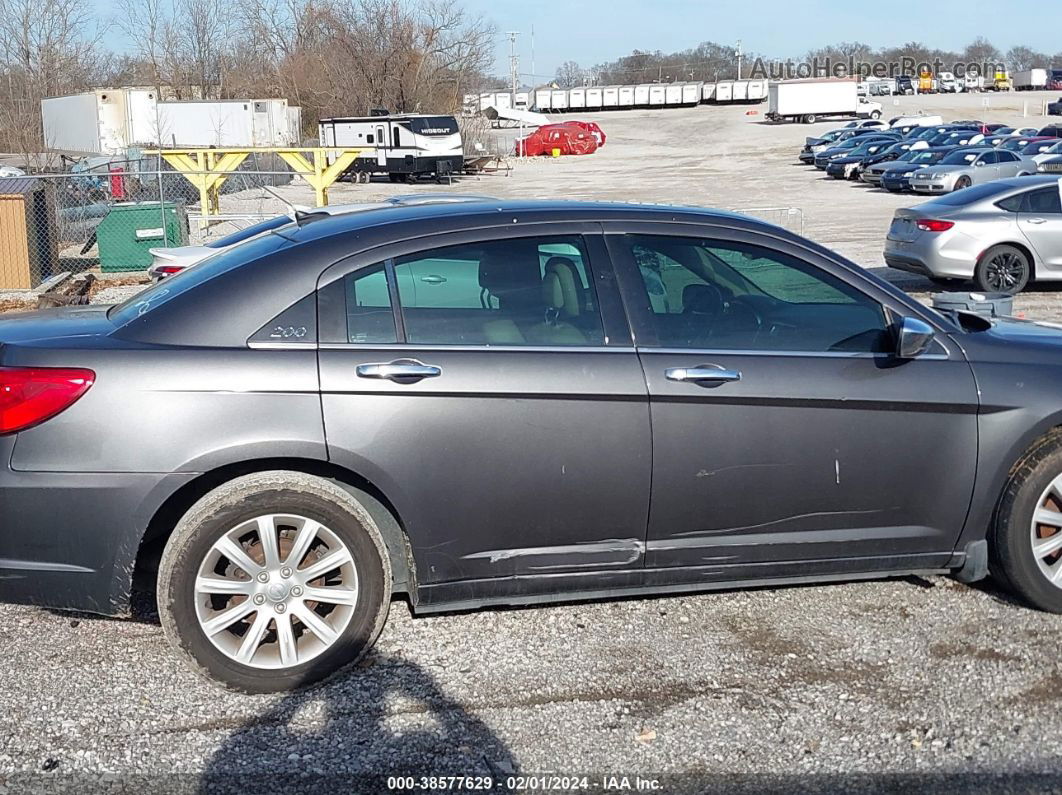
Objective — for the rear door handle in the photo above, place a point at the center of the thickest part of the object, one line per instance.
(704, 372)
(1035, 220)
(400, 371)
(433, 279)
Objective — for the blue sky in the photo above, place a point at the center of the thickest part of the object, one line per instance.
(592, 32)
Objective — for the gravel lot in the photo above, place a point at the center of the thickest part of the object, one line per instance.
(910, 684)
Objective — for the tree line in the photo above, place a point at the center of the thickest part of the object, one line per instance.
(711, 61)
(331, 57)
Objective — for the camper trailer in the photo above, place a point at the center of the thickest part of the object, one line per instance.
(594, 97)
(610, 97)
(400, 146)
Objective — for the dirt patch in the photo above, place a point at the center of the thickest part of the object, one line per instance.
(967, 651)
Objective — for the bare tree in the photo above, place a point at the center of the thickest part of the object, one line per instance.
(1021, 58)
(569, 74)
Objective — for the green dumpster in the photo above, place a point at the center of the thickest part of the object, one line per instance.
(127, 233)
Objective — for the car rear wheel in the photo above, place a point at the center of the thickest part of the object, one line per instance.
(274, 580)
(1027, 532)
(1003, 269)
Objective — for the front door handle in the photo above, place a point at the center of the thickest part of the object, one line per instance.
(433, 279)
(704, 372)
(400, 371)
(1035, 220)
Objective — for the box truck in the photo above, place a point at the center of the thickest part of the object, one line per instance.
(812, 99)
(1030, 80)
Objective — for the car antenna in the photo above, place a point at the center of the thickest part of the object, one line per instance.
(295, 212)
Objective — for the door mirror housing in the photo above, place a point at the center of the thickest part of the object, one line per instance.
(913, 337)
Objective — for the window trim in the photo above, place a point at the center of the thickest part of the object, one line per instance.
(603, 281)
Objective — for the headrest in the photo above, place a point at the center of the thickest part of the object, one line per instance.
(560, 286)
(702, 299)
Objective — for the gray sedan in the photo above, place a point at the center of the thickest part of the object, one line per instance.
(1001, 234)
(971, 166)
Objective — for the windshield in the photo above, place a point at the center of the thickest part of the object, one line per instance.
(249, 232)
(1038, 148)
(960, 158)
(222, 262)
(922, 157)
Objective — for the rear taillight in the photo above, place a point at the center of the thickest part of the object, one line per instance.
(168, 270)
(31, 395)
(928, 225)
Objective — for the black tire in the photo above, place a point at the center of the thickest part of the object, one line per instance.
(243, 499)
(875, 115)
(1003, 269)
(810, 118)
(1012, 561)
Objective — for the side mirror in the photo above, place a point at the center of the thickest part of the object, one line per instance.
(913, 338)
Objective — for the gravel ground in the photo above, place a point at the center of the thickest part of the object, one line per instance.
(912, 684)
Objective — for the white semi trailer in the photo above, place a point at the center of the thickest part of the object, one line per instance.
(105, 122)
(813, 99)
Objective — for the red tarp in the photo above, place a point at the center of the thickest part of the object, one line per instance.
(570, 138)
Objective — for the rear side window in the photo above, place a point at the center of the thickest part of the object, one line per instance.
(518, 292)
(1046, 201)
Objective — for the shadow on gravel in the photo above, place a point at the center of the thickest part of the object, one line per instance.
(385, 717)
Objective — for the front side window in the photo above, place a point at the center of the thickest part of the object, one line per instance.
(517, 292)
(713, 295)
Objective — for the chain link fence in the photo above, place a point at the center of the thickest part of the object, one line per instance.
(106, 219)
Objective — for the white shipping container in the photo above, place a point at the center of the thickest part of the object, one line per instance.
(227, 123)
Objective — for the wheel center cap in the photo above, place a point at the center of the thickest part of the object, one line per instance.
(277, 592)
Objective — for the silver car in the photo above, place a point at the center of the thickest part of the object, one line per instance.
(1002, 234)
(971, 166)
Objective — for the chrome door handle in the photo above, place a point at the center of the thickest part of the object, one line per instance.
(433, 279)
(1035, 220)
(708, 372)
(400, 370)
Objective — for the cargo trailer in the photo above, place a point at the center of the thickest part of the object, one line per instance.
(691, 93)
(757, 91)
(594, 97)
(657, 95)
(401, 145)
(708, 92)
(522, 99)
(226, 123)
(641, 95)
(625, 96)
(559, 99)
(610, 97)
(724, 91)
(106, 122)
(576, 98)
(673, 95)
(542, 99)
(739, 91)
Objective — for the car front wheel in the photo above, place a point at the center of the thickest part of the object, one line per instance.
(1027, 533)
(274, 580)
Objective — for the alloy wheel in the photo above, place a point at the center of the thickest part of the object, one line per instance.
(276, 591)
(1005, 271)
(1046, 533)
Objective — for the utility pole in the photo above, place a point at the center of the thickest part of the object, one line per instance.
(737, 53)
(534, 77)
(514, 60)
